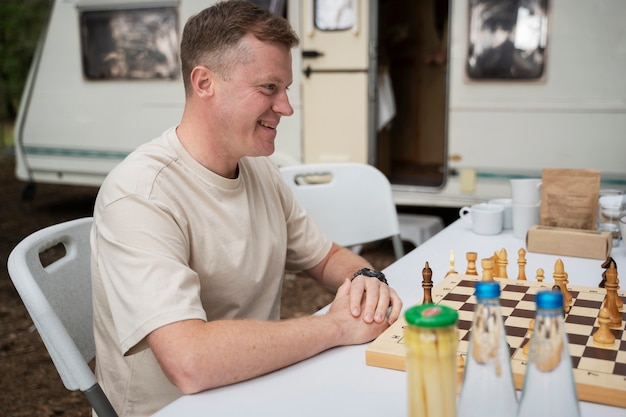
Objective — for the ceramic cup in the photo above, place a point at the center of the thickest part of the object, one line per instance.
(507, 204)
(485, 219)
(524, 216)
(526, 191)
(611, 205)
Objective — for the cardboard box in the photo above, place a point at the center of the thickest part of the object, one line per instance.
(569, 242)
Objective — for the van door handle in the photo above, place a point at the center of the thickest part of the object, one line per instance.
(312, 54)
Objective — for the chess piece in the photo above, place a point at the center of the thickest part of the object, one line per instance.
(618, 300)
(615, 317)
(488, 388)
(610, 263)
(549, 363)
(604, 335)
(460, 370)
(567, 294)
(487, 265)
(495, 270)
(451, 271)
(605, 265)
(531, 326)
(539, 277)
(521, 264)
(471, 263)
(427, 284)
(502, 263)
(560, 279)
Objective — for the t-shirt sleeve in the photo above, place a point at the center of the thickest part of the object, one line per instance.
(142, 260)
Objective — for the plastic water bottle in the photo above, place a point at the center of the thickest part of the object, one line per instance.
(549, 388)
(487, 388)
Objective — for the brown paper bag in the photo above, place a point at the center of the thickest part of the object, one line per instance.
(569, 198)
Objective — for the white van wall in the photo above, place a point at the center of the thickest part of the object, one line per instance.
(575, 118)
(73, 130)
(73, 126)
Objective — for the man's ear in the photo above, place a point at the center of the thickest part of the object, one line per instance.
(202, 81)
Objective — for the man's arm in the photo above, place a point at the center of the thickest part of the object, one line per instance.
(198, 355)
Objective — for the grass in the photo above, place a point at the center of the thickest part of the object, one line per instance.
(7, 134)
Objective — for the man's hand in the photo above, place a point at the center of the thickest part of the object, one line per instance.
(351, 330)
(371, 299)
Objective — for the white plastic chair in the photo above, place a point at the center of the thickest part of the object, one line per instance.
(351, 202)
(58, 299)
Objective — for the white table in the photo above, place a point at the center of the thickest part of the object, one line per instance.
(339, 383)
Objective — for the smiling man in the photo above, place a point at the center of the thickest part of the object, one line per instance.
(193, 231)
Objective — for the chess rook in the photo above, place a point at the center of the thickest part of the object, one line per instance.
(471, 263)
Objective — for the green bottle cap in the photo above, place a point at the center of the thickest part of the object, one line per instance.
(431, 315)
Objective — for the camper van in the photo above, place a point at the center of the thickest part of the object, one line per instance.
(450, 99)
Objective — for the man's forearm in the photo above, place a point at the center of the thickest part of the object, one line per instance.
(341, 263)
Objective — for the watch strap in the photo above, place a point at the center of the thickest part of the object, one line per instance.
(368, 272)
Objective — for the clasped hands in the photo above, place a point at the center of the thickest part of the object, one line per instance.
(373, 300)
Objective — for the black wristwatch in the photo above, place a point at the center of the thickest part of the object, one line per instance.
(367, 272)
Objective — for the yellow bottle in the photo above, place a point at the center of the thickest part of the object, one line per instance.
(431, 341)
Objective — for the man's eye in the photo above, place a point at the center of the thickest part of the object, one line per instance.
(270, 87)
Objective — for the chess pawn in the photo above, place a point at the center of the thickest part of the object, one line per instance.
(540, 275)
(487, 265)
(604, 335)
(549, 388)
(487, 388)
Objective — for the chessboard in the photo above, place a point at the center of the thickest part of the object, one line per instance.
(599, 371)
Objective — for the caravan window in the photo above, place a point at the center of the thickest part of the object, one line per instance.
(130, 43)
(335, 14)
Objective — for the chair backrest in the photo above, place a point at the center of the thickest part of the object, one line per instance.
(58, 299)
(351, 202)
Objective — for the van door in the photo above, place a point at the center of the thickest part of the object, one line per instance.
(335, 64)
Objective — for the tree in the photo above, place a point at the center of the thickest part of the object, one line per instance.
(21, 25)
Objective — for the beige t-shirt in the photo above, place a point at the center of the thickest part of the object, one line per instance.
(174, 241)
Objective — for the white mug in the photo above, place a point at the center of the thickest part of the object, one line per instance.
(524, 216)
(485, 219)
(507, 204)
(526, 191)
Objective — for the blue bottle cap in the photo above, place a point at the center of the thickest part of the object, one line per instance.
(549, 300)
(487, 289)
